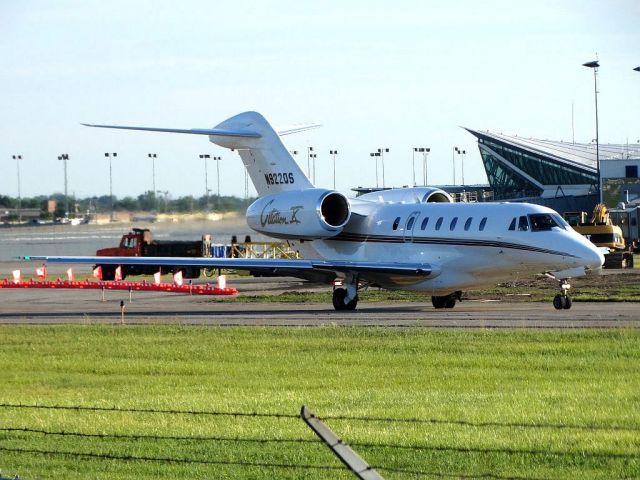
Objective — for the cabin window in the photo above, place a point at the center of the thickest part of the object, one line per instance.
(410, 223)
(396, 222)
(439, 223)
(513, 224)
(483, 222)
(453, 223)
(523, 223)
(424, 223)
(467, 224)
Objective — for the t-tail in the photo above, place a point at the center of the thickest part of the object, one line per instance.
(270, 165)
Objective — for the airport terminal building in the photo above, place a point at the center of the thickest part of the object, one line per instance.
(561, 175)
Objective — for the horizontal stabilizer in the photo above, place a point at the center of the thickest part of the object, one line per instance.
(193, 131)
(297, 128)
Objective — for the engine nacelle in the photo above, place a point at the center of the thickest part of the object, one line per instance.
(304, 214)
(409, 195)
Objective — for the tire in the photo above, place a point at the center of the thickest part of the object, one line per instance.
(339, 294)
(108, 272)
(567, 302)
(438, 302)
(559, 302)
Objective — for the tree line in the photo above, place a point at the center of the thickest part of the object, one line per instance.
(146, 202)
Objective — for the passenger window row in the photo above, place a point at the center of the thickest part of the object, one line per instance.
(439, 222)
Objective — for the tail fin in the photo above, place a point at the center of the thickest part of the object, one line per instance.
(271, 167)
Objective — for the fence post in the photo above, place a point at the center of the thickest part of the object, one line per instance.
(351, 459)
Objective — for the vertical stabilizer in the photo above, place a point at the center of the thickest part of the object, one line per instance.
(271, 167)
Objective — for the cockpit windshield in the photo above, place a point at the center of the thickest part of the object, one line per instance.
(545, 221)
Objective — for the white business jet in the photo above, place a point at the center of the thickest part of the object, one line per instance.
(408, 238)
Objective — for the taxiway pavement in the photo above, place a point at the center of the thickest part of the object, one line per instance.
(39, 306)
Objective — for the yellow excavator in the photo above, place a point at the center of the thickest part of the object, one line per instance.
(602, 233)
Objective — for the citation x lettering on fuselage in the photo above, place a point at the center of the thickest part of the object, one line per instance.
(409, 238)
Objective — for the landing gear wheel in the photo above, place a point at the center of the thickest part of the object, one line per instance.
(339, 295)
(567, 302)
(108, 272)
(446, 301)
(559, 302)
(562, 301)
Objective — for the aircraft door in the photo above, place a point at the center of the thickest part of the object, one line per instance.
(409, 226)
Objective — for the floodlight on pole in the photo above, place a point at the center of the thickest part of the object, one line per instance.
(18, 158)
(309, 150)
(206, 178)
(463, 152)
(65, 158)
(110, 156)
(153, 157)
(313, 157)
(381, 152)
(217, 160)
(425, 152)
(595, 65)
(376, 155)
(453, 160)
(334, 153)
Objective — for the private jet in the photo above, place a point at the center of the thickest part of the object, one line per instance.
(404, 239)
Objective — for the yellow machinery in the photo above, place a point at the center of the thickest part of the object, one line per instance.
(603, 233)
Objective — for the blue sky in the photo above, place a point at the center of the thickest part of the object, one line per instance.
(375, 74)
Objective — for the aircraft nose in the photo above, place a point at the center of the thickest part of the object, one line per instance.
(593, 257)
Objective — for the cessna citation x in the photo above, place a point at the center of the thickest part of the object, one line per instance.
(409, 238)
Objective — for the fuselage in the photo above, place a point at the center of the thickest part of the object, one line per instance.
(467, 245)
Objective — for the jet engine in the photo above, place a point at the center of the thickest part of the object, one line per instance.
(409, 195)
(304, 214)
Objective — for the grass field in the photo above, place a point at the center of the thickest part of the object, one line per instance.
(485, 403)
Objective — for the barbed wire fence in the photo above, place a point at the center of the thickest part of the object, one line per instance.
(368, 447)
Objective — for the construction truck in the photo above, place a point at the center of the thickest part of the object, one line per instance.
(601, 231)
(138, 243)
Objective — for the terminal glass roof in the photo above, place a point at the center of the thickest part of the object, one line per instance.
(524, 167)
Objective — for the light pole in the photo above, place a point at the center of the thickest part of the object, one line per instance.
(334, 153)
(206, 179)
(375, 155)
(453, 160)
(463, 152)
(18, 158)
(153, 157)
(381, 152)
(424, 151)
(313, 157)
(217, 160)
(309, 150)
(595, 65)
(65, 158)
(110, 156)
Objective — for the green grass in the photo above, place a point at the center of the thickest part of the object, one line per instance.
(537, 380)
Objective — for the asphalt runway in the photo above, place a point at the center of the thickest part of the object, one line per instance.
(40, 306)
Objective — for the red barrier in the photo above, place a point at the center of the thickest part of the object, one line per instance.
(195, 289)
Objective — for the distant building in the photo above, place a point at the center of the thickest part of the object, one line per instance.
(562, 175)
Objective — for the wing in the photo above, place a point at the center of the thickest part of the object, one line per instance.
(274, 266)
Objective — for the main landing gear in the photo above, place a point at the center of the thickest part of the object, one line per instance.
(446, 301)
(345, 297)
(563, 301)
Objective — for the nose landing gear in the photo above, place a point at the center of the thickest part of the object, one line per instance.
(563, 301)
(346, 297)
